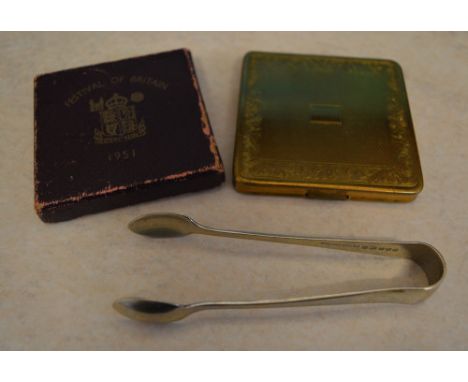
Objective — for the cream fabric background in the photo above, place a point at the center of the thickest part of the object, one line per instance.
(57, 281)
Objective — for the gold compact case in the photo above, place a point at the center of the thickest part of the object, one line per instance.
(325, 127)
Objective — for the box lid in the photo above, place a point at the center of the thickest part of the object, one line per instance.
(119, 133)
(322, 126)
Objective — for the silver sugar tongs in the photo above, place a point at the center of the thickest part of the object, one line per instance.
(174, 225)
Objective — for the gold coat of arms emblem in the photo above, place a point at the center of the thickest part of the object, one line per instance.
(118, 119)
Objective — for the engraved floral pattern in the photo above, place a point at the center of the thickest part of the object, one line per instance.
(402, 173)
